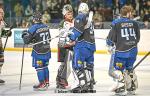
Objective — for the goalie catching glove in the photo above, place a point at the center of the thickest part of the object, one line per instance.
(64, 40)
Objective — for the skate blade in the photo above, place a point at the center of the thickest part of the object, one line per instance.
(121, 94)
(1, 84)
(40, 89)
(131, 93)
(83, 91)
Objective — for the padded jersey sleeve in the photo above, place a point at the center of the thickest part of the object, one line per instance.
(78, 29)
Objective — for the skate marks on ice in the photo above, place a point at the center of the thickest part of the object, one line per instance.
(11, 89)
(27, 90)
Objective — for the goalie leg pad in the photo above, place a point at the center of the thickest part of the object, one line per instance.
(119, 85)
(61, 80)
(131, 80)
(81, 75)
(90, 69)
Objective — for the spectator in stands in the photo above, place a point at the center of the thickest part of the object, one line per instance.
(28, 11)
(25, 24)
(118, 5)
(46, 17)
(44, 4)
(146, 17)
(38, 7)
(25, 3)
(98, 20)
(18, 9)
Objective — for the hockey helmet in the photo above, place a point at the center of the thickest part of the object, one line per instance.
(67, 8)
(83, 8)
(37, 16)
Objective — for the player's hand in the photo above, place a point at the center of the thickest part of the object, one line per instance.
(24, 33)
(111, 49)
(9, 33)
(71, 43)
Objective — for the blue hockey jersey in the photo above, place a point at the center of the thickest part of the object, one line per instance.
(124, 35)
(83, 36)
(40, 32)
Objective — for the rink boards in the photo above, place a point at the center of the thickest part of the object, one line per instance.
(15, 42)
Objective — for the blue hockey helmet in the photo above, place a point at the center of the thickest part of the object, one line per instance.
(37, 16)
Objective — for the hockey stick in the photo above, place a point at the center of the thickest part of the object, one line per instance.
(140, 61)
(5, 44)
(21, 67)
(7, 38)
(47, 39)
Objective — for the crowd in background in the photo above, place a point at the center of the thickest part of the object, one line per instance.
(19, 12)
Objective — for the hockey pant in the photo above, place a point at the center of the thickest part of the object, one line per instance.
(121, 64)
(64, 70)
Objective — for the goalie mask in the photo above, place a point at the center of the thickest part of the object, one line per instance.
(67, 8)
(83, 8)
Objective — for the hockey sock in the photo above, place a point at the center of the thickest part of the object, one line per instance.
(46, 74)
(40, 74)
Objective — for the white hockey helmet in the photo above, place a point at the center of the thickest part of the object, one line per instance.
(67, 8)
(83, 8)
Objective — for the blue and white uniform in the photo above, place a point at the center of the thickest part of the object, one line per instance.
(41, 52)
(83, 59)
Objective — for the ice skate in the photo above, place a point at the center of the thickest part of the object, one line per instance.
(40, 87)
(2, 82)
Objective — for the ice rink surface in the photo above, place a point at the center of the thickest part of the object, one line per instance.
(12, 67)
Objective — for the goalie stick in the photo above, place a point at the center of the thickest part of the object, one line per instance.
(140, 61)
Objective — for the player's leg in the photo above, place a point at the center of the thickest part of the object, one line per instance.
(46, 72)
(38, 64)
(90, 68)
(61, 81)
(130, 77)
(1, 60)
(79, 69)
(64, 71)
(117, 74)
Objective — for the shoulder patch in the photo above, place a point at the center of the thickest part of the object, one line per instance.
(77, 20)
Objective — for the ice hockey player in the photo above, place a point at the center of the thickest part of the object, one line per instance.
(41, 52)
(3, 33)
(83, 59)
(122, 41)
(64, 49)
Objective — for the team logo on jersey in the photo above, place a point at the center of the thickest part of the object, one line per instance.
(80, 62)
(77, 20)
(39, 62)
(119, 66)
